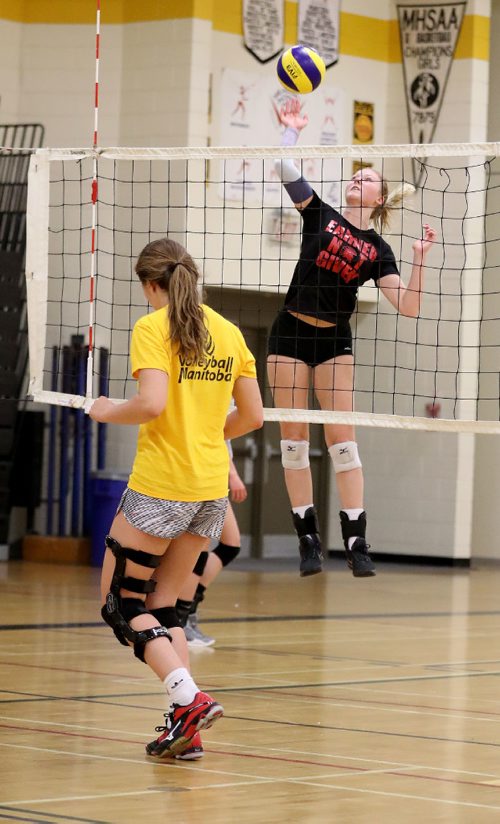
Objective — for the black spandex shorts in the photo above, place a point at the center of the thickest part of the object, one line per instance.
(313, 345)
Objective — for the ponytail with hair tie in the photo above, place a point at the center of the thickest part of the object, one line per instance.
(170, 265)
(185, 315)
(381, 214)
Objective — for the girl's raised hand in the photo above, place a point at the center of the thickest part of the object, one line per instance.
(290, 115)
(423, 244)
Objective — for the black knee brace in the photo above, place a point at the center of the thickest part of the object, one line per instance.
(226, 553)
(182, 608)
(118, 611)
(199, 596)
(199, 567)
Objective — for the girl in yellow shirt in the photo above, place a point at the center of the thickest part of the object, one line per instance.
(188, 362)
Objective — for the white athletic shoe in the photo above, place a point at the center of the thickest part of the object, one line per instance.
(194, 636)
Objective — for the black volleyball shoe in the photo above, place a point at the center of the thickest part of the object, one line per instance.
(311, 554)
(358, 558)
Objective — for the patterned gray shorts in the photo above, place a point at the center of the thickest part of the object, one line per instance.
(169, 519)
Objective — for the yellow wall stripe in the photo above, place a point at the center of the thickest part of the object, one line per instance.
(11, 11)
(365, 37)
(112, 11)
(76, 12)
(291, 22)
(474, 41)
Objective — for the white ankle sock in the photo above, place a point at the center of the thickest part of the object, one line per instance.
(353, 515)
(181, 689)
(301, 510)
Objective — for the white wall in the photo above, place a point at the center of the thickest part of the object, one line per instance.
(57, 85)
(154, 90)
(48, 76)
(493, 107)
(487, 459)
(165, 83)
(10, 70)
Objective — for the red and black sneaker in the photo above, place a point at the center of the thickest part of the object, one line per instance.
(194, 751)
(182, 724)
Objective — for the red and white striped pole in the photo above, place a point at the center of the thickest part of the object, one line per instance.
(97, 39)
(90, 360)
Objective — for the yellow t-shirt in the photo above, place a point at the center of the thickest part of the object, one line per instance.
(181, 454)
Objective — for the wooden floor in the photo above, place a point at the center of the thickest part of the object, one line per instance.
(346, 701)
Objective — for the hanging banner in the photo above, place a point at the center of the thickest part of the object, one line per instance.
(263, 28)
(319, 27)
(363, 122)
(429, 35)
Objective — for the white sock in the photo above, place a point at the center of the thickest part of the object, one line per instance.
(301, 510)
(353, 515)
(181, 689)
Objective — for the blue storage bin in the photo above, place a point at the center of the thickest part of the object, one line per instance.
(106, 489)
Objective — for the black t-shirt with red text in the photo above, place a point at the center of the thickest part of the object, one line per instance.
(335, 259)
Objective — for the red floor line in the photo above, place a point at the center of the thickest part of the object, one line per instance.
(323, 764)
(273, 692)
(64, 669)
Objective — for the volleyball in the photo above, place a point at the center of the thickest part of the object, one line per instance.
(300, 69)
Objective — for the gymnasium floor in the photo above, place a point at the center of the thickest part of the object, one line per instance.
(366, 701)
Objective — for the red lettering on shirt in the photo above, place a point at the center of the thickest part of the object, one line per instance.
(368, 250)
(335, 245)
(345, 254)
(322, 259)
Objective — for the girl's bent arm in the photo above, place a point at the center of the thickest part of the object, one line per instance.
(248, 414)
(149, 402)
(407, 299)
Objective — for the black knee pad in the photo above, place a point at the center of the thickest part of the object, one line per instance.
(199, 567)
(167, 616)
(226, 553)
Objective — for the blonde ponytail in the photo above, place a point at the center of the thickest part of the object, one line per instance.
(381, 216)
(185, 315)
(168, 264)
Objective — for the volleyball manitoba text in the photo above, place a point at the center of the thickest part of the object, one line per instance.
(207, 369)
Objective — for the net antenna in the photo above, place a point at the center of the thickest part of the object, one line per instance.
(93, 255)
(224, 205)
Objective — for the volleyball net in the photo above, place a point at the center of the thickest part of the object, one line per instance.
(91, 212)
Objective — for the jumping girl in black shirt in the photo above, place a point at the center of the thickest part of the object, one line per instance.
(311, 336)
